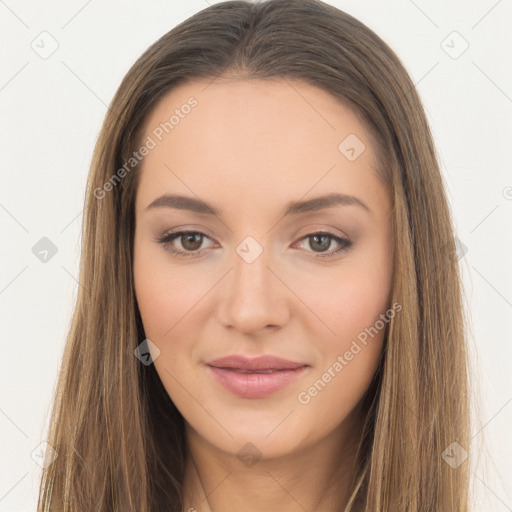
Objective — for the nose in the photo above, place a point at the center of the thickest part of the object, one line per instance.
(253, 296)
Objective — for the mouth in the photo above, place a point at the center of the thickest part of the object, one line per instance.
(256, 378)
(257, 364)
(238, 370)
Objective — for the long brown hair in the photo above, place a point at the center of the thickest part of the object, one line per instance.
(119, 438)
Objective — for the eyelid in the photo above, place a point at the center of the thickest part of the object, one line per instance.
(344, 241)
(170, 236)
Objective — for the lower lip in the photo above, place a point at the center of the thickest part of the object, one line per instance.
(255, 385)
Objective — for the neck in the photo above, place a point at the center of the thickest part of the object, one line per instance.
(317, 477)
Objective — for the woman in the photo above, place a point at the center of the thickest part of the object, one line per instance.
(270, 315)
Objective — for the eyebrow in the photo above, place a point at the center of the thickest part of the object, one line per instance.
(293, 208)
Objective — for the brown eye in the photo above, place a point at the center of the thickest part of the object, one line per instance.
(190, 241)
(320, 242)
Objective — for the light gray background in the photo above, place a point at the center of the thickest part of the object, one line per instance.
(52, 109)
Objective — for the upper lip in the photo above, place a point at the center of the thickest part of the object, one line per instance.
(266, 362)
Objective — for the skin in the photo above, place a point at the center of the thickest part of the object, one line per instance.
(249, 148)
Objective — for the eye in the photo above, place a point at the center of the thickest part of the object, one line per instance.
(322, 240)
(191, 242)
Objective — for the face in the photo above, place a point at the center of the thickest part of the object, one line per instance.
(258, 274)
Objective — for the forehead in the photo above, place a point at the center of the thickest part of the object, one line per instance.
(227, 107)
(255, 137)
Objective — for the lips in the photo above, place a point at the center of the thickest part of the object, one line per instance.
(271, 363)
(255, 378)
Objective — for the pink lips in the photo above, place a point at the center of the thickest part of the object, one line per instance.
(255, 378)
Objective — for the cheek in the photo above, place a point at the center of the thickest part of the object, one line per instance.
(165, 301)
(345, 301)
(352, 348)
(351, 332)
(163, 295)
(347, 359)
(156, 304)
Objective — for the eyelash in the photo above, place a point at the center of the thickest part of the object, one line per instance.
(167, 238)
